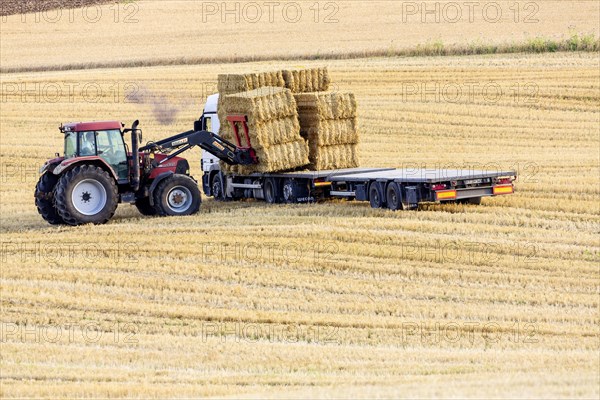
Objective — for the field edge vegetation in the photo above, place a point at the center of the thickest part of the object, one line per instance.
(573, 42)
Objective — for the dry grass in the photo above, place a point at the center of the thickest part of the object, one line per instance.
(142, 37)
(321, 300)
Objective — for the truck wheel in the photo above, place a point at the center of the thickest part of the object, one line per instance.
(43, 199)
(86, 195)
(271, 190)
(177, 195)
(144, 207)
(375, 196)
(217, 188)
(394, 197)
(290, 191)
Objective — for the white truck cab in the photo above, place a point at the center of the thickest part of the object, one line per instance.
(210, 165)
(211, 123)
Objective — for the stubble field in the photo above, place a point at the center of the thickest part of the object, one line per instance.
(250, 298)
(331, 299)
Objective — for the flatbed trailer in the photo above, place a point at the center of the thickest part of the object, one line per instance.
(396, 189)
(391, 188)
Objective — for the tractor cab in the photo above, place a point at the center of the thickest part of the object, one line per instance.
(97, 139)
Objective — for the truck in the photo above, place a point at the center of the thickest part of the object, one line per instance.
(391, 188)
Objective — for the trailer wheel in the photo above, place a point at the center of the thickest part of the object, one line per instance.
(43, 199)
(394, 197)
(375, 196)
(271, 189)
(217, 188)
(177, 195)
(86, 195)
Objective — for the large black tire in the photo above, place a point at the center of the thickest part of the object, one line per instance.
(144, 207)
(217, 188)
(375, 196)
(95, 194)
(289, 191)
(44, 194)
(394, 197)
(272, 191)
(177, 195)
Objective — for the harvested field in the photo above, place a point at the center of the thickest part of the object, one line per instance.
(197, 35)
(331, 299)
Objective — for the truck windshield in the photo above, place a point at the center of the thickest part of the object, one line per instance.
(70, 144)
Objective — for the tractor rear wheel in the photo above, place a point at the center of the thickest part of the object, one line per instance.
(86, 195)
(144, 207)
(177, 195)
(44, 199)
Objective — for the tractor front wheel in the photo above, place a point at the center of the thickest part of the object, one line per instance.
(177, 195)
(86, 195)
(44, 193)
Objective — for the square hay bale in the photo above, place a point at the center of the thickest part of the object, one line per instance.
(273, 126)
(263, 104)
(266, 133)
(330, 131)
(237, 83)
(279, 157)
(333, 157)
(307, 80)
(326, 105)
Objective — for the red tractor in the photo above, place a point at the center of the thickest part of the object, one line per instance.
(97, 171)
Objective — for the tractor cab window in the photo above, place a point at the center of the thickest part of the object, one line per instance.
(70, 145)
(87, 143)
(111, 148)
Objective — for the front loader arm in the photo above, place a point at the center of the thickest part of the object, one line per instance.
(214, 144)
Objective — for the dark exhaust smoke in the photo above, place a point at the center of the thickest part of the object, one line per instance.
(163, 109)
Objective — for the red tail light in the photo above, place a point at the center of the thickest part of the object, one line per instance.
(503, 181)
(438, 187)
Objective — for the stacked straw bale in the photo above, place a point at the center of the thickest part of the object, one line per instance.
(297, 80)
(307, 80)
(237, 83)
(273, 125)
(328, 120)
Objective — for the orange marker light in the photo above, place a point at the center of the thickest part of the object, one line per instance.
(446, 195)
(503, 190)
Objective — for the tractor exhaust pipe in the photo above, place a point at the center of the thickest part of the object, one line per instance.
(135, 155)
